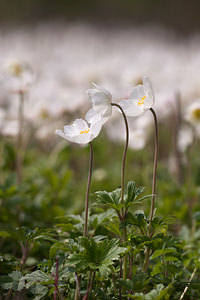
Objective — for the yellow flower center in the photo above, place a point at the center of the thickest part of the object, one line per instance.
(85, 131)
(196, 114)
(141, 101)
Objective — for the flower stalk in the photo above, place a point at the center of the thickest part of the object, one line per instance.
(88, 191)
(147, 256)
(154, 169)
(122, 182)
(56, 279)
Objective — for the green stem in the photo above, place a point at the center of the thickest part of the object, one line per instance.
(20, 137)
(124, 155)
(122, 183)
(154, 169)
(78, 289)
(147, 256)
(88, 191)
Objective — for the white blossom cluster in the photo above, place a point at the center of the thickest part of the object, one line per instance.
(56, 63)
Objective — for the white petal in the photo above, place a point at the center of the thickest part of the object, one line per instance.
(61, 134)
(80, 124)
(103, 90)
(91, 115)
(70, 130)
(149, 93)
(96, 128)
(130, 108)
(138, 92)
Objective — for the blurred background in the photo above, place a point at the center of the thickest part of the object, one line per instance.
(61, 47)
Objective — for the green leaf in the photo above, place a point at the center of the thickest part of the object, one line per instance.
(110, 199)
(160, 252)
(11, 281)
(33, 278)
(138, 283)
(5, 234)
(97, 255)
(132, 193)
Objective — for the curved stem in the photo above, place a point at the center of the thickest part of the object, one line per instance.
(154, 168)
(147, 256)
(124, 156)
(88, 190)
(123, 212)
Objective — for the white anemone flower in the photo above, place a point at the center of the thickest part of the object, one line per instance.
(79, 132)
(193, 113)
(101, 103)
(18, 75)
(185, 137)
(142, 98)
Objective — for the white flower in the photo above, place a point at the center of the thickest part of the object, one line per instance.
(101, 103)
(137, 139)
(79, 132)
(142, 98)
(185, 138)
(193, 113)
(18, 75)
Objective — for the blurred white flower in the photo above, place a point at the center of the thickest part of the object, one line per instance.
(193, 113)
(101, 103)
(10, 128)
(79, 132)
(142, 98)
(185, 138)
(99, 174)
(18, 75)
(137, 139)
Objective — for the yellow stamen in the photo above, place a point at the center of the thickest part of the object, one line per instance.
(196, 114)
(85, 131)
(141, 101)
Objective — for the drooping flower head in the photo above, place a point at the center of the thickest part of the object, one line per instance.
(79, 132)
(193, 113)
(101, 103)
(142, 98)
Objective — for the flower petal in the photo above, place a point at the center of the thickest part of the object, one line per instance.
(131, 108)
(150, 97)
(103, 90)
(138, 92)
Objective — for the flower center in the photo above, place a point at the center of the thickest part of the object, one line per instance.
(141, 101)
(196, 114)
(85, 131)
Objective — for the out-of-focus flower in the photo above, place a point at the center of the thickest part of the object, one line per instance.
(193, 113)
(99, 174)
(142, 98)
(137, 139)
(18, 75)
(79, 132)
(10, 128)
(185, 138)
(101, 103)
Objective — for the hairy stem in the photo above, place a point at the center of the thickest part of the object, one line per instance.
(147, 256)
(124, 156)
(154, 168)
(123, 212)
(90, 283)
(78, 289)
(88, 191)
(20, 137)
